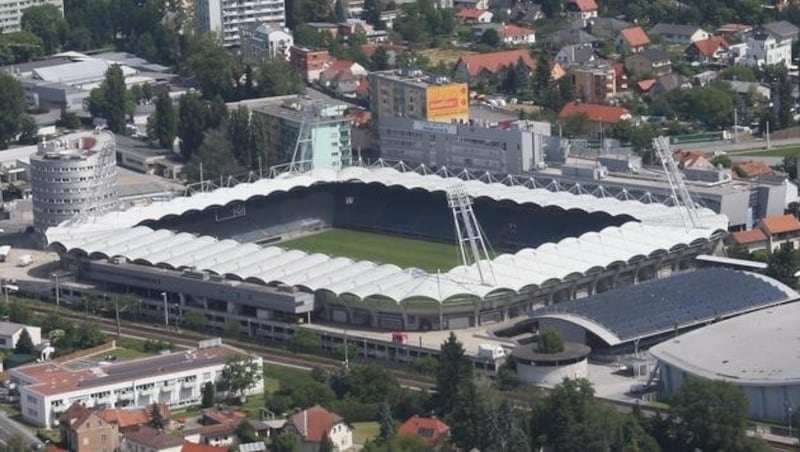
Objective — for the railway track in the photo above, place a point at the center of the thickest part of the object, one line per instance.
(284, 358)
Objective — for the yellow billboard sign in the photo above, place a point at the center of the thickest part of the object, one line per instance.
(448, 100)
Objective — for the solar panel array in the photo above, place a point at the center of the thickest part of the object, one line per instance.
(683, 299)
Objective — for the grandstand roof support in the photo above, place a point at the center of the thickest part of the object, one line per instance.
(471, 244)
(681, 195)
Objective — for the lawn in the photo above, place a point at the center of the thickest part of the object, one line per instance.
(429, 256)
(448, 56)
(790, 151)
(365, 431)
(122, 354)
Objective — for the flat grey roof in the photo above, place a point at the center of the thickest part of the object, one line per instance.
(759, 348)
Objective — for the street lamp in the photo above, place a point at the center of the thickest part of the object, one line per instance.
(58, 291)
(166, 310)
(9, 288)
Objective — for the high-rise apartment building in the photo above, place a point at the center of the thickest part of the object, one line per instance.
(230, 18)
(11, 12)
(409, 93)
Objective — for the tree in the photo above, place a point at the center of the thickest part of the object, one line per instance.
(110, 100)
(642, 142)
(372, 13)
(782, 264)
(549, 342)
(195, 320)
(276, 78)
(507, 377)
(325, 443)
(467, 418)
(165, 122)
(25, 344)
(789, 166)
(238, 127)
(721, 160)
(213, 68)
(509, 434)
(68, 120)
(710, 415)
(157, 420)
(28, 130)
(12, 108)
(576, 125)
(20, 313)
(379, 61)
(285, 442)
(191, 124)
(208, 394)
(304, 341)
(45, 21)
(241, 372)
(386, 432)
(552, 8)
(491, 38)
(455, 370)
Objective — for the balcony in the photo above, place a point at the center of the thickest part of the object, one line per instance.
(168, 388)
(188, 384)
(147, 391)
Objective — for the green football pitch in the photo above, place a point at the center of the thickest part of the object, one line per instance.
(385, 249)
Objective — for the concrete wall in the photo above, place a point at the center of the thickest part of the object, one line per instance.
(547, 375)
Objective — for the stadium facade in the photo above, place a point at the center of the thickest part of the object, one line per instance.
(210, 252)
(756, 352)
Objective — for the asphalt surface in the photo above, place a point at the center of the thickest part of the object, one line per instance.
(10, 428)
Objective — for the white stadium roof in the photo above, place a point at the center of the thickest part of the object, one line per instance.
(759, 348)
(659, 229)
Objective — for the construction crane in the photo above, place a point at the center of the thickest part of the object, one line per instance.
(680, 194)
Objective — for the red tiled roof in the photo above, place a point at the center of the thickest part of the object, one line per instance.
(513, 30)
(430, 429)
(363, 86)
(635, 37)
(707, 47)
(595, 112)
(150, 437)
(223, 416)
(585, 5)
(734, 28)
(752, 169)
(194, 447)
(340, 65)
(780, 224)
(314, 422)
(494, 61)
(470, 13)
(751, 236)
(75, 415)
(688, 158)
(646, 85)
(125, 418)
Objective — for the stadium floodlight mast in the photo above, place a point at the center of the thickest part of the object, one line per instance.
(680, 194)
(471, 244)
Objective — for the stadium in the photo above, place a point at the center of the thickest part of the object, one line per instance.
(375, 247)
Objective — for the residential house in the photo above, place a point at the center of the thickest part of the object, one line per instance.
(10, 332)
(745, 88)
(632, 40)
(607, 28)
(733, 32)
(525, 13)
(491, 65)
(192, 447)
(215, 427)
(322, 27)
(751, 169)
(572, 35)
(705, 78)
(771, 44)
(752, 239)
(151, 440)
(781, 230)
(471, 4)
(654, 62)
(600, 117)
(266, 41)
(595, 82)
(308, 63)
(669, 82)
(509, 34)
(431, 430)
(581, 11)
(644, 86)
(704, 51)
(130, 419)
(679, 33)
(570, 55)
(389, 16)
(475, 16)
(313, 424)
(84, 431)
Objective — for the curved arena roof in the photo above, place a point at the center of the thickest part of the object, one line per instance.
(759, 348)
(657, 306)
(658, 229)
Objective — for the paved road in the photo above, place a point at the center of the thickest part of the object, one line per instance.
(746, 146)
(10, 428)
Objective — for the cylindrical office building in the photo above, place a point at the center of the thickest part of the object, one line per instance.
(74, 175)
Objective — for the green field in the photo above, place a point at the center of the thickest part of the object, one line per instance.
(403, 252)
(790, 151)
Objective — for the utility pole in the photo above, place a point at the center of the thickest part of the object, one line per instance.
(116, 310)
(166, 310)
(58, 291)
(769, 145)
(735, 125)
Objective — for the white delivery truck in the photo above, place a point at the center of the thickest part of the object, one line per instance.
(24, 260)
(491, 351)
